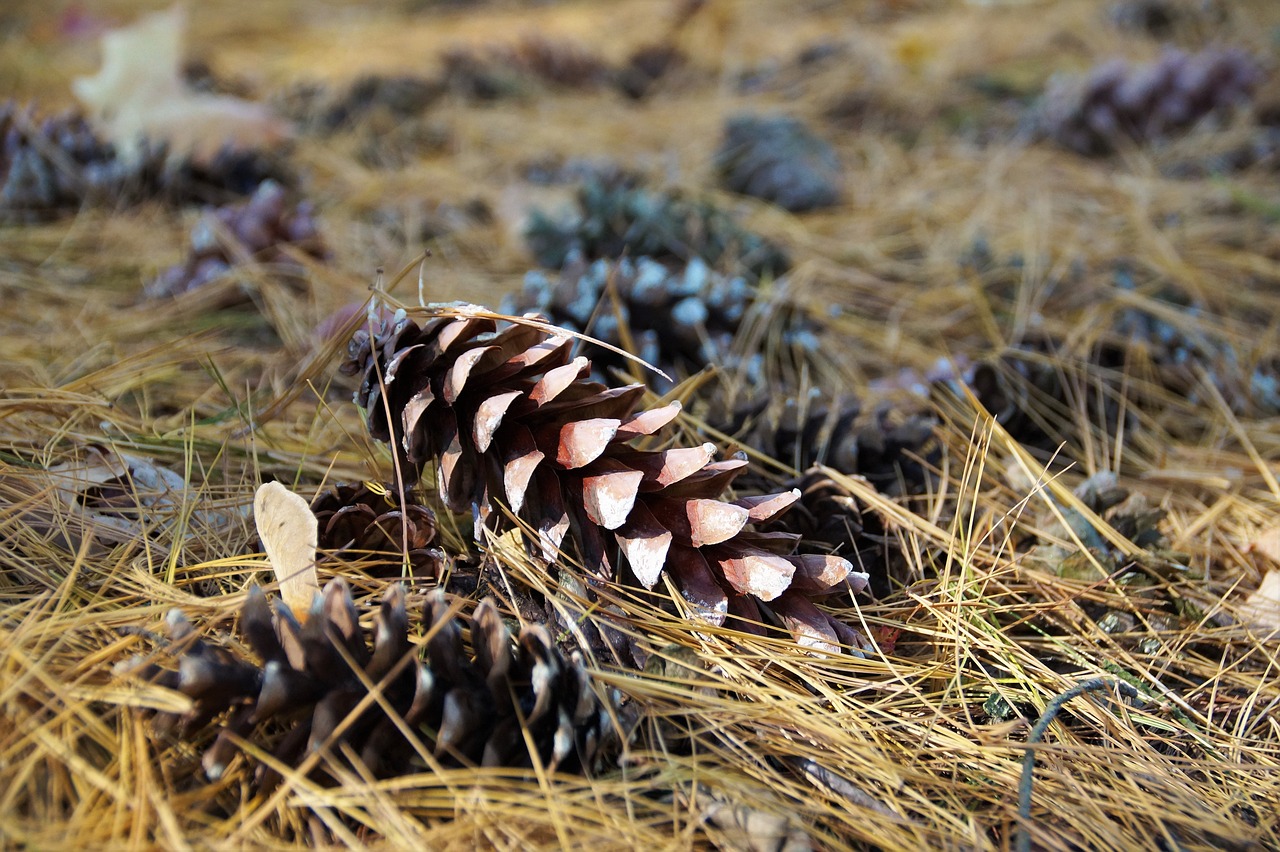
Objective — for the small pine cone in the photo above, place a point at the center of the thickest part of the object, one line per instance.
(560, 62)
(468, 709)
(679, 319)
(617, 219)
(364, 523)
(509, 416)
(1118, 102)
(43, 163)
(646, 67)
(827, 519)
(896, 451)
(780, 160)
(1036, 392)
(402, 97)
(260, 226)
(52, 166)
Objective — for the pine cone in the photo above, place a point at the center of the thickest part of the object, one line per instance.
(617, 219)
(827, 519)
(895, 450)
(1118, 102)
(467, 709)
(680, 320)
(508, 416)
(363, 523)
(780, 160)
(260, 225)
(402, 97)
(51, 167)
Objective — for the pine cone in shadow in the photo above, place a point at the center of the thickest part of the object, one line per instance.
(509, 417)
(312, 681)
(827, 519)
(895, 450)
(374, 526)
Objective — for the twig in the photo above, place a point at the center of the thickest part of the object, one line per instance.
(1046, 719)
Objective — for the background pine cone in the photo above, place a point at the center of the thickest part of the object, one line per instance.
(375, 526)
(780, 160)
(616, 218)
(51, 166)
(508, 416)
(467, 709)
(1117, 102)
(260, 226)
(680, 318)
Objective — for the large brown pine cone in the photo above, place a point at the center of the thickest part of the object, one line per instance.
(509, 416)
(467, 709)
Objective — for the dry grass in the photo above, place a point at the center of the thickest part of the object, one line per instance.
(744, 740)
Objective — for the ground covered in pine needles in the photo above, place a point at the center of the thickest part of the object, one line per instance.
(1088, 324)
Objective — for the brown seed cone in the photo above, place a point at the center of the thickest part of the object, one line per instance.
(466, 709)
(510, 416)
(365, 523)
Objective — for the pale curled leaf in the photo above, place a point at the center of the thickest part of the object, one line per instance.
(1262, 608)
(288, 530)
(139, 95)
(1267, 544)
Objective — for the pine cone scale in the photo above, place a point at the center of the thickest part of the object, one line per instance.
(646, 544)
(609, 494)
(698, 585)
(489, 416)
(757, 573)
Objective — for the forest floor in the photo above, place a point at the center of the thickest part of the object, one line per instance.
(1126, 304)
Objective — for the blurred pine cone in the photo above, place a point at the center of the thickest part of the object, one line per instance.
(52, 166)
(259, 227)
(780, 160)
(316, 108)
(679, 319)
(374, 525)
(895, 450)
(1117, 102)
(508, 416)
(466, 708)
(616, 218)
(500, 71)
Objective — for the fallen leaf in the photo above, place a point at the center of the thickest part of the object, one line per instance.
(288, 530)
(139, 96)
(1262, 608)
(1267, 544)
